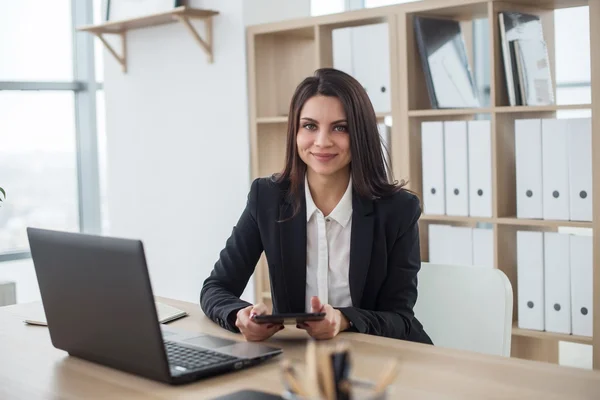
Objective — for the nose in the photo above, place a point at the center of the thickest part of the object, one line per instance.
(323, 139)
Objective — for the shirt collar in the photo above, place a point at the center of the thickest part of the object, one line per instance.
(342, 211)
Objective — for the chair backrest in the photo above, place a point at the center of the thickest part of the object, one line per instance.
(466, 307)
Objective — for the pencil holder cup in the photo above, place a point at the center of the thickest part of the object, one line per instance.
(359, 390)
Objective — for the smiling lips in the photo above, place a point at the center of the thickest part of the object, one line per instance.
(323, 157)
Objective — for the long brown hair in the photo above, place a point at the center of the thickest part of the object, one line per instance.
(371, 174)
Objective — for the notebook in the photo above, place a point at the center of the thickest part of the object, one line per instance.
(166, 313)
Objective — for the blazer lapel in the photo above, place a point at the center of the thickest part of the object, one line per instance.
(361, 242)
(292, 236)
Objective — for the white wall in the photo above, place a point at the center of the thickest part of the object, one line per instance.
(22, 273)
(178, 145)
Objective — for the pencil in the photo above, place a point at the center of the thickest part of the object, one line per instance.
(388, 376)
(312, 373)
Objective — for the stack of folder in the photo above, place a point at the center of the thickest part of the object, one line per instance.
(363, 52)
(554, 282)
(457, 168)
(454, 245)
(553, 161)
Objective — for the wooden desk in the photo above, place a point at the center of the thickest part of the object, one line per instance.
(31, 368)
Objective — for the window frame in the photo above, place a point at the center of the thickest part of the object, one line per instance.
(84, 88)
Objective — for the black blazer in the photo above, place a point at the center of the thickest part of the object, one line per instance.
(384, 261)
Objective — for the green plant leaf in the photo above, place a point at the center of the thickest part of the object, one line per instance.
(3, 192)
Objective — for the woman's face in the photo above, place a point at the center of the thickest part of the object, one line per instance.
(323, 139)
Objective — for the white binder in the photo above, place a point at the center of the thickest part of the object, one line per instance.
(439, 243)
(480, 168)
(580, 169)
(341, 41)
(528, 164)
(483, 247)
(555, 169)
(582, 265)
(371, 63)
(432, 167)
(557, 283)
(460, 240)
(456, 167)
(530, 280)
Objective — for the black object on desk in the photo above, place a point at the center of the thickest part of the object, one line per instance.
(249, 395)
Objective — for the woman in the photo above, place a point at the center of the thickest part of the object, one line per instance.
(339, 236)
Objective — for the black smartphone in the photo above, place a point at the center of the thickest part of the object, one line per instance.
(288, 319)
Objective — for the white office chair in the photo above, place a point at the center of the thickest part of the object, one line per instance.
(466, 307)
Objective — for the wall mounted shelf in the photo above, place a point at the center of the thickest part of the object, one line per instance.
(181, 14)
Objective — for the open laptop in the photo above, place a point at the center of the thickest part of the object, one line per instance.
(99, 306)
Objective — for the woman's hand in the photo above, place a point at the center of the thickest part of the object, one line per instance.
(333, 323)
(252, 331)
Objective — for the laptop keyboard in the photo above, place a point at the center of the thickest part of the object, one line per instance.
(194, 358)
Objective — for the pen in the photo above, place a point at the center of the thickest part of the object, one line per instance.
(290, 378)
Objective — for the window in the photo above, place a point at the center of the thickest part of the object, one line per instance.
(46, 128)
(36, 46)
(38, 164)
(320, 7)
(572, 27)
(99, 17)
(102, 159)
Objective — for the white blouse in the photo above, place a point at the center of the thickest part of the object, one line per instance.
(328, 251)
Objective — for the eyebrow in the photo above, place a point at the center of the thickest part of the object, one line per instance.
(333, 123)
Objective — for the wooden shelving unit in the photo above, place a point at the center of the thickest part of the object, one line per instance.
(507, 221)
(281, 54)
(449, 111)
(272, 120)
(534, 109)
(551, 336)
(284, 118)
(181, 14)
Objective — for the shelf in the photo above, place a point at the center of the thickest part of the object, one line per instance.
(449, 111)
(272, 120)
(554, 4)
(525, 109)
(507, 221)
(181, 14)
(551, 336)
(284, 119)
(543, 222)
(500, 110)
(452, 218)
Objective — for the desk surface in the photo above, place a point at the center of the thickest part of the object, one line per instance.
(31, 368)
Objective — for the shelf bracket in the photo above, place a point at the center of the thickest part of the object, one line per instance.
(206, 43)
(121, 59)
